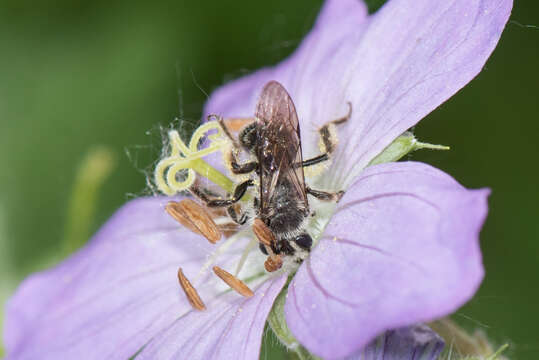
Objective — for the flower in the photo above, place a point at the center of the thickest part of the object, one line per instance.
(416, 342)
(400, 248)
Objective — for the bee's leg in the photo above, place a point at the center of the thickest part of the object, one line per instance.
(202, 193)
(240, 190)
(343, 119)
(315, 160)
(324, 195)
(235, 124)
(244, 168)
(328, 136)
(328, 139)
(227, 132)
(233, 213)
(231, 124)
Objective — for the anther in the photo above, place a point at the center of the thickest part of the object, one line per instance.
(233, 282)
(273, 263)
(190, 292)
(266, 237)
(236, 124)
(263, 233)
(194, 217)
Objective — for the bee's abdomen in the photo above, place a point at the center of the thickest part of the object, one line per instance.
(286, 220)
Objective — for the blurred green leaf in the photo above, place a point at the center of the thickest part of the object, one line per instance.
(92, 173)
(374, 5)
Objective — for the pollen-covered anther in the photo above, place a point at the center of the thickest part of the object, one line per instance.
(273, 263)
(194, 217)
(266, 237)
(190, 292)
(263, 233)
(233, 282)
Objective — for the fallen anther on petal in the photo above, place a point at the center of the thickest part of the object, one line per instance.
(194, 217)
(273, 263)
(233, 282)
(190, 292)
(263, 233)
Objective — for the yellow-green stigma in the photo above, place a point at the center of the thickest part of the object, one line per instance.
(169, 174)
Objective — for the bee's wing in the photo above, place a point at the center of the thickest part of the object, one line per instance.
(279, 146)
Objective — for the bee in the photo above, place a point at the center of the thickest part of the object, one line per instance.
(281, 207)
(280, 211)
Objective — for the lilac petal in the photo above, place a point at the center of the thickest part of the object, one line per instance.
(338, 21)
(401, 248)
(413, 57)
(108, 299)
(231, 328)
(411, 343)
(394, 67)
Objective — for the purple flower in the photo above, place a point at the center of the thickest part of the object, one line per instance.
(417, 342)
(400, 248)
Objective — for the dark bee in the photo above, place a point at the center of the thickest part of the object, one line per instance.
(273, 139)
(282, 204)
(281, 209)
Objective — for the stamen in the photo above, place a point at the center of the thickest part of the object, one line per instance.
(273, 263)
(173, 208)
(190, 292)
(263, 233)
(252, 243)
(233, 282)
(221, 249)
(267, 238)
(194, 217)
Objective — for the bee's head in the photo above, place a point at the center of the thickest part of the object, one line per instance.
(249, 136)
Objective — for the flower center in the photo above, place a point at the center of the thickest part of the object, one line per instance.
(182, 168)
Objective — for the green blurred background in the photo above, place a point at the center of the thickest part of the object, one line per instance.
(75, 75)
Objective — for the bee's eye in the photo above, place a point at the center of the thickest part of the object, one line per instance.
(304, 241)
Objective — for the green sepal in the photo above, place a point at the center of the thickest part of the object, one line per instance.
(495, 356)
(404, 144)
(463, 345)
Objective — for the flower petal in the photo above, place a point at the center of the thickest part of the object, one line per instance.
(231, 328)
(401, 248)
(394, 67)
(338, 20)
(415, 342)
(414, 56)
(108, 299)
